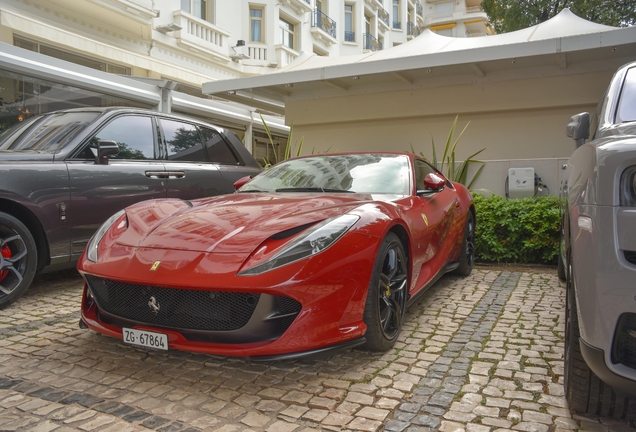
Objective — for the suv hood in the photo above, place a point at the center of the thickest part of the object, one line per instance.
(229, 224)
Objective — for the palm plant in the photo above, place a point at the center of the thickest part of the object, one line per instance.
(288, 146)
(447, 165)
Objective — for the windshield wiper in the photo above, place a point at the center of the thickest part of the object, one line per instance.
(252, 191)
(311, 189)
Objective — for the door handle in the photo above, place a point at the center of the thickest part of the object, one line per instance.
(156, 174)
(175, 174)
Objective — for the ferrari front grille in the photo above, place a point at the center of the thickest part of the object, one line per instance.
(180, 308)
(625, 341)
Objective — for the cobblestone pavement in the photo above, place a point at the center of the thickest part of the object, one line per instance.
(479, 354)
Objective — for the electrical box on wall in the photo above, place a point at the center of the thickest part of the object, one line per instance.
(520, 183)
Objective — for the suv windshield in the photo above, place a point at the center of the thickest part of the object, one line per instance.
(362, 173)
(47, 133)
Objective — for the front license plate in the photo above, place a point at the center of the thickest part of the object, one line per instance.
(145, 339)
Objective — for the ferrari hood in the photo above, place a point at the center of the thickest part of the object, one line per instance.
(235, 223)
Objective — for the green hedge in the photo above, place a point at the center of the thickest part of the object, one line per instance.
(517, 231)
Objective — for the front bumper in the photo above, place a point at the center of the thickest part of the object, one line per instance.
(605, 288)
(328, 292)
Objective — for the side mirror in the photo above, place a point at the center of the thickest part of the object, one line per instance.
(240, 182)
(578, 128)
(433, 183)
(105, 148)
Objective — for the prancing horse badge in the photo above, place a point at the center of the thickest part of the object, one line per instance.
(155, 266)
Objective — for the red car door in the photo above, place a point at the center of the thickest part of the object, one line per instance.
(431, 215)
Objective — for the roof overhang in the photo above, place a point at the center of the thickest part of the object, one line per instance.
(431, 59)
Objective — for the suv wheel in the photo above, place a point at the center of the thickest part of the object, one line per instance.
(585, 392)
(18, 259)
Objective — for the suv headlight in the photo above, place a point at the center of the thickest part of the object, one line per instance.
(93, 244)
(628, 187)
(312, 242)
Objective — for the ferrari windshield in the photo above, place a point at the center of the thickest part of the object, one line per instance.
(46, 133)
(357, 173)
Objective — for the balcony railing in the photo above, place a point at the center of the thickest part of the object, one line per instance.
(397, 25)
(474, 9)
(257, 52)
(383, 16)
(371, 43)
(324, 23)
(350, 36)
(413, 30)
(419, 9)
(200, 34)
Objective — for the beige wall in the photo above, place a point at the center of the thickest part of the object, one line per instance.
(512, 119)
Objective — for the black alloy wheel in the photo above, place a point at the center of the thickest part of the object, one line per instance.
(18, 259)
(467, 254)
(386, 299)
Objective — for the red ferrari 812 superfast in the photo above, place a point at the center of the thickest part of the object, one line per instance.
(315, 254)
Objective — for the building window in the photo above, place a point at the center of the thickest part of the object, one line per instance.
(396, 14)
(319, 5)
(202, 9)
(287, 36)
(444, 10)
(256, 24)
(350, 35)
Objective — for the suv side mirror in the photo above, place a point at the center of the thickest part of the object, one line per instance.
(578, 128)
(105, 148)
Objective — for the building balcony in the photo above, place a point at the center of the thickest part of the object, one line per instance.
(285, 55)
(374, 4)
(412, 30)
(371, 43)
(300, 6)
(323, 27)
(397, 25)
(419, 9)
(141, 11)
(383, 18)
(201, 36)
(349, 36)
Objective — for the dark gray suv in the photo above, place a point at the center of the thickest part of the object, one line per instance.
(64, 173)
(599, 254)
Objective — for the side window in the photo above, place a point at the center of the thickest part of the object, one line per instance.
(421, 169)
(133, 135)
(627, 102)
(217, 148)
(183, 141)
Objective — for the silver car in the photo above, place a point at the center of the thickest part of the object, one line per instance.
(598, 259)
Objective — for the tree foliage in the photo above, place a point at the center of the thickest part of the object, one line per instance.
(510, 15)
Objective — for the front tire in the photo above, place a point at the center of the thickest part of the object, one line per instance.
(467, 254)
(585, 392)
(18, 259)
(386, 298)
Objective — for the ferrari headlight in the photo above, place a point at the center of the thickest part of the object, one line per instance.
(315, 240)
(628, 187)
(93, 244)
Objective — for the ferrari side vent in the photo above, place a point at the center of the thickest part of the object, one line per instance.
(624, 351)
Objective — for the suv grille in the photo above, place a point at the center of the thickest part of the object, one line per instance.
(180, 308)
(625, 341)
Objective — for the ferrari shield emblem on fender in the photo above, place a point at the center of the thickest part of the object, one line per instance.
(425, 219)
(155, 266)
